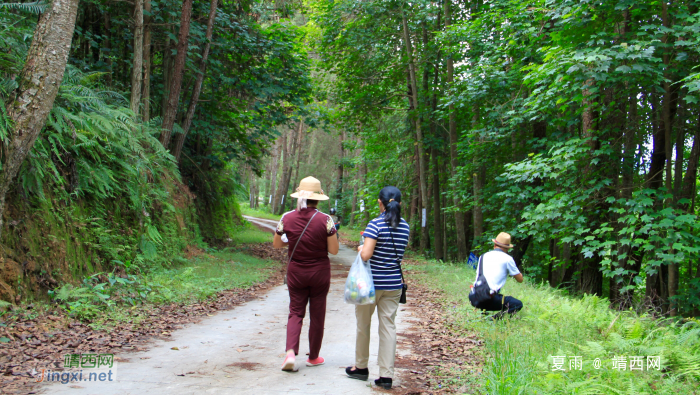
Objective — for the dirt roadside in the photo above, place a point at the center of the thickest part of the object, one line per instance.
(440, 354)
(41, 340)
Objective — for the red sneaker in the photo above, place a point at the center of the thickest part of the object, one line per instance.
(315, 362)
(288, 364)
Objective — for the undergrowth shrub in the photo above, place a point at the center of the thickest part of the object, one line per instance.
(97, 192)
(520, 351)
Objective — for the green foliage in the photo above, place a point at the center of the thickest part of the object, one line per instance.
(262, 212)
(251, 235)
(35, 7)
(559, 106)
(98, 192)
(207, 275)
(102, 296)
(552, 323)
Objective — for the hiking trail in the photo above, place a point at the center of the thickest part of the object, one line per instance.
(240, 351)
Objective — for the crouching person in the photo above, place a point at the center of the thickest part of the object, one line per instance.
(491, 274)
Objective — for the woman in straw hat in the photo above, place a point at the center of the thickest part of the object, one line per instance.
(310, 237)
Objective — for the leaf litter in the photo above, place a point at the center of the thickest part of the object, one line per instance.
(441, 354)
(40, 341)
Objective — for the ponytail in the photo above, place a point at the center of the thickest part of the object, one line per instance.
(391, 199)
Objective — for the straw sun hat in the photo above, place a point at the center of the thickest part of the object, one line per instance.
(503, 240)
(310, 188)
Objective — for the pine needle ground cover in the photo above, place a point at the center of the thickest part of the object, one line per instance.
(522, 352)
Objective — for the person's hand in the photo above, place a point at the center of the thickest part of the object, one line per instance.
(359, 248)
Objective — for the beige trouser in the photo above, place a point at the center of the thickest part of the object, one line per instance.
(387, 303)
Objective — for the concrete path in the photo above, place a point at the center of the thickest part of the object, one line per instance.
(240, 351)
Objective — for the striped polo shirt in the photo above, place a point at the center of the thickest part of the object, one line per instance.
(386, 270)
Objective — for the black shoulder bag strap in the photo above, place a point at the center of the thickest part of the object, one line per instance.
(404, 286)
(297, 244)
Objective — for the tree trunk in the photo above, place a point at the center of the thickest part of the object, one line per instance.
(107, 44)
(479, 176)
(437, 210)
(437, 198)
(180, 138)
(167, 68)
(414, 236)
(147, 62)
(462, 247)
(273, 174)
(290, 149)
(284, 176)
(691, 172)
(623, 300)
(137, 64)
(518, 253)
(668, 112)
(680, 154)
(351, 222)
(341, 165)
(298, 152)
(413, 208)
(658, 154)
(281, 190)
(419, 135)
(590, 280)
(656, 283)
(37, 86)
(364, 181)
(170, 111)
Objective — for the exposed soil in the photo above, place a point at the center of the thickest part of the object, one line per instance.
(352, 243)
(40, 340)
(245, 365)
(441, 353)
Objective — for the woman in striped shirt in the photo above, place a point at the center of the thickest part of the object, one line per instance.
(386, 238)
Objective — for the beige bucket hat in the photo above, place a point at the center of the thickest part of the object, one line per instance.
(310, 188)
(503, 240)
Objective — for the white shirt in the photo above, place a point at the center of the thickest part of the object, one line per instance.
(497, 267)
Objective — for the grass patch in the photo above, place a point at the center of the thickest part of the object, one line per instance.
(350, 233)
(251, 235)
(262, 212)
(552, 323)
(108, 297)
(205, 276)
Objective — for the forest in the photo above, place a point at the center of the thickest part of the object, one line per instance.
(571, 125)
(130, 130)
(124, 126)
(136, 137)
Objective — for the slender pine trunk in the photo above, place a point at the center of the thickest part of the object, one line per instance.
(170, 111)
(197, 90)
(419, 136)
(147, 63)
(137, 63)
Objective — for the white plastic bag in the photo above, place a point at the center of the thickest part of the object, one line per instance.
(359, 287)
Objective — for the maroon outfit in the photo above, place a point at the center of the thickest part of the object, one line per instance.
(308, 275)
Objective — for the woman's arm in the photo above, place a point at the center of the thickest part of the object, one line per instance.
(333, 245)
(367, 249)
(278, 243)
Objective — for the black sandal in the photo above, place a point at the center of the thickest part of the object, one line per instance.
(384, 382)
(357, 373)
